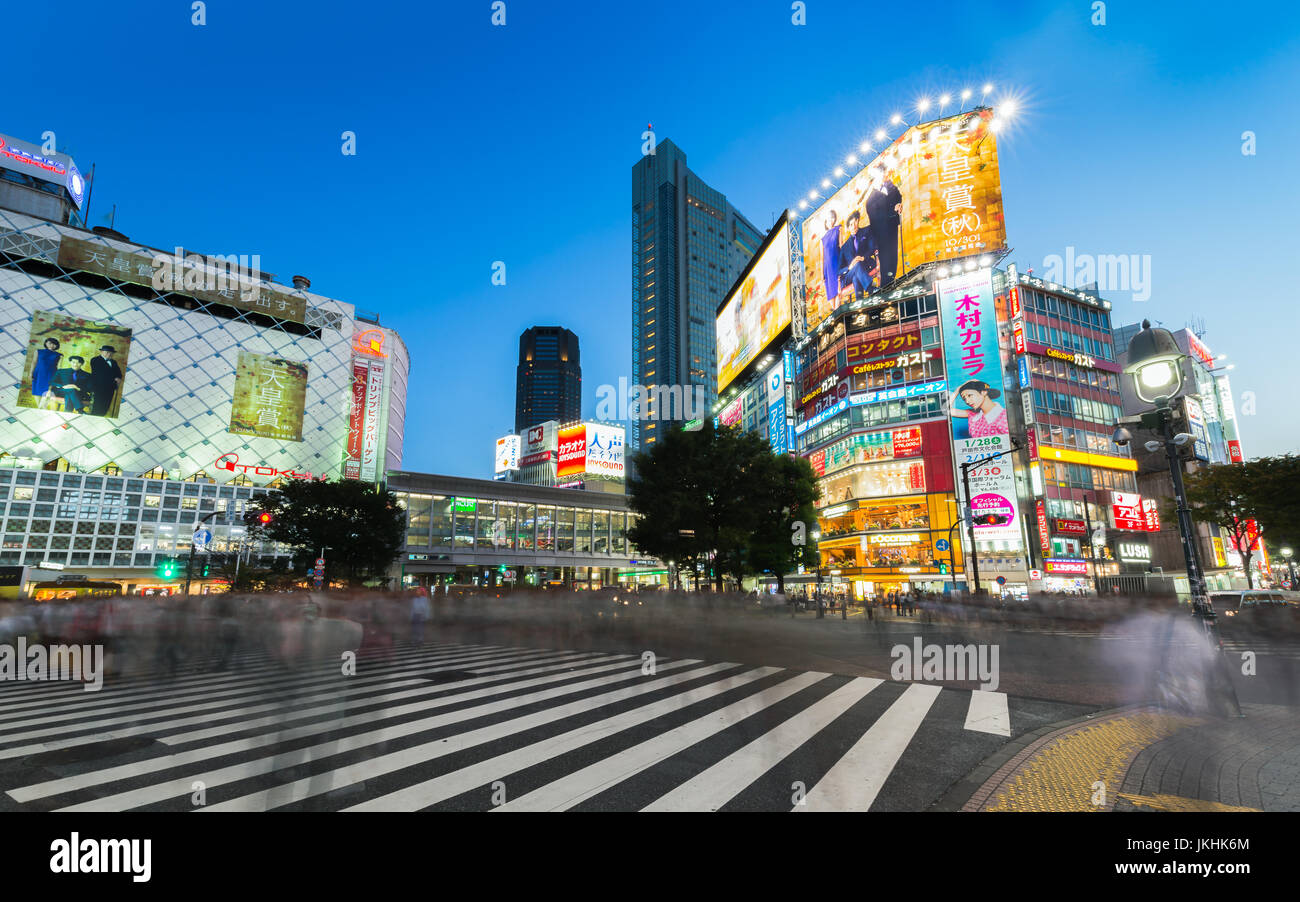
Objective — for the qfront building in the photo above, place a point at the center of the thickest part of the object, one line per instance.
(876, 336)
(148, 388)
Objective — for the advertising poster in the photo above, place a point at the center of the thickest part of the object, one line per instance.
(371, 436)
(507, 454)
(572, 450)
(74, 365)
(270, 393)
(934, 194)
(756, 311)
(356, 420)
(968, 317)
(776, 429)
(1126, 508)
(605, 450)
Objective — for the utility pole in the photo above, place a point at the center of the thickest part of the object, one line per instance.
(189, 567)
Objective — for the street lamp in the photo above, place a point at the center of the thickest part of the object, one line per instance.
(1155, 365)
(1286, 553)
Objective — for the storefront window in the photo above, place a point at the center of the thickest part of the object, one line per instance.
(419, 509)
(506, 528)
(900, 477)
(564, 529)
(545, 528)
(440, 521)
(600, 534)
(618, 532)
(582, 534)
(463, 509)
(487, 518)
(527, 526)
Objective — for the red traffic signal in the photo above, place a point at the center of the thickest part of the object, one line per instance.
(264, 518)
(990, 519)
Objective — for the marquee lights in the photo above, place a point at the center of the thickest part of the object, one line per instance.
(1005, 110)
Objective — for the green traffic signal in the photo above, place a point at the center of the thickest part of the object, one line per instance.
(166, 568)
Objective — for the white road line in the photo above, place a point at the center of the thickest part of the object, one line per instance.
(384, 764)
(853, 783)
(712, 788)
(580, 785)
(167, 718)
(988, 713)
(256, 767)
(453, 783)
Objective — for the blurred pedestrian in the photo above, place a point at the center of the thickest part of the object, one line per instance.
(420, 612)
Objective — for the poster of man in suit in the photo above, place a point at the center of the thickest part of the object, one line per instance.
(74, 365)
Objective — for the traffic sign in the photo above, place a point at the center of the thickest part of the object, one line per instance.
(1035, 574)
(1002, 580)
(320, 562)
(941, 545)
(202, 536)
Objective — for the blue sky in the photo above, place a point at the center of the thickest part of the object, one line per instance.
(478, 143)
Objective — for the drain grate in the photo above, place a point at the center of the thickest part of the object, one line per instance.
(449, 676)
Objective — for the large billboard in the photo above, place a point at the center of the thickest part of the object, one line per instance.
(74, 365)
(973, 364)
(757, 309)
(934, 194)
(32, 160)
(270, 394)
(507, 454)
(605, 450)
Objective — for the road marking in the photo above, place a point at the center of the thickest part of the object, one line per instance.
(853, 783)
(719, 784)
(988, 713)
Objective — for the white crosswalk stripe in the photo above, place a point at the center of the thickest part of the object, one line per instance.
(433, 726)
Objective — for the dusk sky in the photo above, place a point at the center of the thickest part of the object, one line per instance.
(478, 143)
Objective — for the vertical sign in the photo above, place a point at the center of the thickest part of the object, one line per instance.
(973, 365)
(776, 425)
(370, 431)
(1044, 538)
(356, 420)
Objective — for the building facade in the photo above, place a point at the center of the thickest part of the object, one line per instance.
(150, 388)
(486, 533)
(548, 379)
(688, 246)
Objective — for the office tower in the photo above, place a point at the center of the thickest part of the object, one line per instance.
(688, 247)
(548, 383)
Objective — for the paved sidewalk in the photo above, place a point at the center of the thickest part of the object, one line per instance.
(1144, 759)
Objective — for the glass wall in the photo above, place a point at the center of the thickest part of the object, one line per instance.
(582, 532)
(527, 527)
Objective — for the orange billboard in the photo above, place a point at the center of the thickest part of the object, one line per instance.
(934, 194)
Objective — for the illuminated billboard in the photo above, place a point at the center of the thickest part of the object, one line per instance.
(572, 457)
(74, 365)
(934, 194)
(757, 309)
(270, 394)
(604, 450)
(507, 455)
(973, 363)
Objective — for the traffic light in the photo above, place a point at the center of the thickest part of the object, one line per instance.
(166, 568)
(264, 518)
(990, 519)
(205, 568)
(943, 568)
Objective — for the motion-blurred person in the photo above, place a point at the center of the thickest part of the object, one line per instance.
(420, 612)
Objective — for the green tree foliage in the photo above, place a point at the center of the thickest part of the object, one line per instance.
(1265, 490)
(720, 497)
(362, 528)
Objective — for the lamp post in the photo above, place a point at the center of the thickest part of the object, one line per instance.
(817, 590)
(1290, 570)
(1156, 367)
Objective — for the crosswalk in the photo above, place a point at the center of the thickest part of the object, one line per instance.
(478, 727)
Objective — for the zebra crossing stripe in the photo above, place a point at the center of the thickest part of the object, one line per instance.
(275, 737)
(446, 786)
(853, 783)
(133, 726)
(384, 764)
(988, 713)
(570, 790)
(712, 788)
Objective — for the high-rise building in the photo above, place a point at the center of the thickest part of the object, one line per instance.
(548, 381)
(688, 246)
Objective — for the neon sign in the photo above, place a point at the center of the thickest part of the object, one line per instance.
(32, 159)
(231, 462)
(370, 343)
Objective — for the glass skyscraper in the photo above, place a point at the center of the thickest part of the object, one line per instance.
(548, 383)
(688, 246)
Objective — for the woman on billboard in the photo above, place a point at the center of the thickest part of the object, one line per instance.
(47, 363)
(984, 416)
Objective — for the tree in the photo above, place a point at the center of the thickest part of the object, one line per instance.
(1248, 500)
(721, 497)
(360, 527)
(783, 537)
